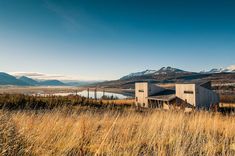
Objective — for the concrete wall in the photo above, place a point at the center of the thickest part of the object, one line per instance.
(143, 90)
(205, 98)
(182, 93)
(141, 94)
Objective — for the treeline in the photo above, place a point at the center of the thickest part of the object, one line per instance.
(20, 101)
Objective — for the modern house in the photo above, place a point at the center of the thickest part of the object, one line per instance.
(198, 95)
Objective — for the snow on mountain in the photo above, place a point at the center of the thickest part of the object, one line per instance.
(163, 70)
(215, 70)
(168, 70)
(229, 69)
(146, 72)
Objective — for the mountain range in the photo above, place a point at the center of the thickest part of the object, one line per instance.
(162, 71)
(163, 75)
(170, 70)
(7, 79)
(229, 69)
(171, 75)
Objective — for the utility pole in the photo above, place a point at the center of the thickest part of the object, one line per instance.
(103, 93)
(95, 93)
(88, 93)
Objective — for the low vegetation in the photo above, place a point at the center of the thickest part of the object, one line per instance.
(128, 132)
(27, 102)
(75, 126)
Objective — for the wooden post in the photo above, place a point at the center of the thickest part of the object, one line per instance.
(95, 93)
(88, 93)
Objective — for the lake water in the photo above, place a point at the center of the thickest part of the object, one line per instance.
(92, 94)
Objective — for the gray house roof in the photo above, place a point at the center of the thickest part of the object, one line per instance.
(202, 83)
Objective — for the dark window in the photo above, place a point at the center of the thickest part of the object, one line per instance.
(188, 92)
(136, 99)
(141, 90)
(144, 104)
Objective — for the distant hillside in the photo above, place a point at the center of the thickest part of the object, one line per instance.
(52, 83)
(169, 75)
(229, 69)
(169, 70)
(79, 83)
(32, 82)
(29, 81)
(152, 74)
(6, 79)
(143, 73)
(163, 75)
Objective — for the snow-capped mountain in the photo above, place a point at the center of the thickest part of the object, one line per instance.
(168, 70)
(214, 70)
(162, 71)
(229, 69)
(146, 72)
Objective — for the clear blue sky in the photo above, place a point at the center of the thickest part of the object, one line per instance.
(106, 39)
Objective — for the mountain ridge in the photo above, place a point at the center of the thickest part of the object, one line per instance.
(171, 70)
(161, 71)
(51, 83)
(229, 69)
(28, 80)
(7, 79)
(164, 74)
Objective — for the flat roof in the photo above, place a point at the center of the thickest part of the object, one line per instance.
(193, 82)
(162, 97)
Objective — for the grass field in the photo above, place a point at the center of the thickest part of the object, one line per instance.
(38, 89)
(74, 125)
(127, 132)
(120, 101)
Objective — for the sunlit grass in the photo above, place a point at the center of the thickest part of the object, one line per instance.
(116, 133)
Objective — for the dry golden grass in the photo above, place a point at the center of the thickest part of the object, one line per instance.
(120, 101)
(117, 133)
(227, 105)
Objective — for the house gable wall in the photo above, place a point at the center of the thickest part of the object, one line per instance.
(141, 94)
(186, 92)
